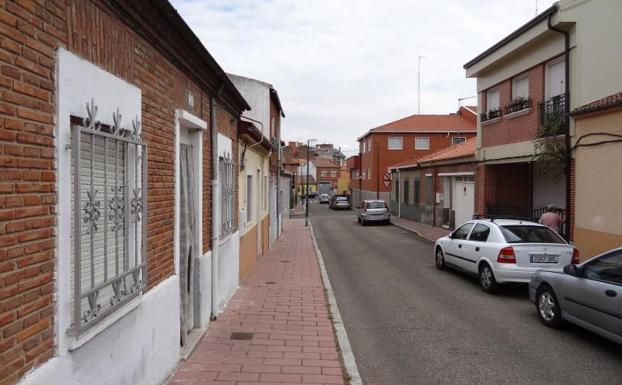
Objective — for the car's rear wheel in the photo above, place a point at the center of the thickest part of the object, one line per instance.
(487, 279)
(547, 307)
(439, 259)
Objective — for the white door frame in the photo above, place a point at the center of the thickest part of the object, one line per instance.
(189, 130)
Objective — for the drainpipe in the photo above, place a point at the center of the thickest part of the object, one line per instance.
(568, 154)
(278, 185)
(216, 221)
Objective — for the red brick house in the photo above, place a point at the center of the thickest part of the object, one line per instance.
(119, 145)
(407, 139)
(523, 88)
(437, 189)
(327, 175)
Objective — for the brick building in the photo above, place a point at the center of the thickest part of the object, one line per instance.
(113, 116)
(326, 175)
(407, 139)
(437, 189)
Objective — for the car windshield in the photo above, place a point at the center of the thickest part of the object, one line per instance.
(375, 205)
(342, 199)
(530, 234)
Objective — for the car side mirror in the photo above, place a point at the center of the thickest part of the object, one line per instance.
(572, 270)
(451, 235)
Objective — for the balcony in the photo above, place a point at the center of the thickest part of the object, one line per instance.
(490, 115)
(553, 118)
(517, 105)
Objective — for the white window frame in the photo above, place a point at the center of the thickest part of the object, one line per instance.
(427, 138)
(488, 98)
(547, 76)
(364, 143)
(333, 174)
(324, 173)
(515, 81)
(369, 173)
(395, 143)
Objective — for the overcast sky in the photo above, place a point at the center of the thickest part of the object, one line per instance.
(343, 67)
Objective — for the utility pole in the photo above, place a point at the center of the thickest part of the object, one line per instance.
(419, 84)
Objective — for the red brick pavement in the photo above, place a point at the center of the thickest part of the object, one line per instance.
(282, 302)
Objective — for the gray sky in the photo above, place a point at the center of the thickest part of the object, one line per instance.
(342, 67)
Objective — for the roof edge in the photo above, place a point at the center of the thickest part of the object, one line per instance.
(523, 28)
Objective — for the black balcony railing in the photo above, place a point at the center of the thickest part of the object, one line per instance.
(518, 105)
(490, 114)
(553, 117)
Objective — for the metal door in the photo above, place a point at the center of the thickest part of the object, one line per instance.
(464, 201)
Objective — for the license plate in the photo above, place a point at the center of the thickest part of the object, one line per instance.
(537, 258)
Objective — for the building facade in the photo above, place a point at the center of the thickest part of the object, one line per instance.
(114, 254)
(438, 189)
(407, 139)
(527, 84)
(326, 175)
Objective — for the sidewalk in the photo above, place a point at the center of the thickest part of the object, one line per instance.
(276, 328)
(431, 233)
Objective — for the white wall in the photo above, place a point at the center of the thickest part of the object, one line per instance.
(142, 345)
(257, 94)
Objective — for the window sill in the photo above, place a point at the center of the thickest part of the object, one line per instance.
(395, 149)
(491, 121)
(76, 342)
(516, 114)
(422, 149)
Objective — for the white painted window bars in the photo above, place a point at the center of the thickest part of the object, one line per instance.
(109, 219)
(226, 194)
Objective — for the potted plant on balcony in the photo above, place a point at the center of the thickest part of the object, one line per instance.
(518, 104)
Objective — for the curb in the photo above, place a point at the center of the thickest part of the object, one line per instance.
(414, 231)
(347, 356)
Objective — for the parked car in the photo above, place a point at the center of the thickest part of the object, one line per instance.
(340, 202)
(374, 211)
(324, 198)
(587, 294)
(503, 251)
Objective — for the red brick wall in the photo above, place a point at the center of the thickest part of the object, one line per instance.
(502, 183)
(380, 158)
(520, 128)
(30, 34)
(328, 178)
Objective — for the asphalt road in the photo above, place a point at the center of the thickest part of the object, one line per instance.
(409, 323)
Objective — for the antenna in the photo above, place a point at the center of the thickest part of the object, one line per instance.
(536, 7)
(419, 84)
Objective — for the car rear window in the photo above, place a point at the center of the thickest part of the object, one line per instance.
(341, 199)
(375, 205)
(530, 234)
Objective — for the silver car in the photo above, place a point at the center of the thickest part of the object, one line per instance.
(588, 295)
(374, 211)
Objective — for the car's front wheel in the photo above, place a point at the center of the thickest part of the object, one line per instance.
(487, 278)
(439, 259)
(547, 307)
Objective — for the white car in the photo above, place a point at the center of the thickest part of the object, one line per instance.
(503, 251)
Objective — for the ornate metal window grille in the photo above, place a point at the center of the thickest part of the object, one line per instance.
(109, 218)
(226, 194)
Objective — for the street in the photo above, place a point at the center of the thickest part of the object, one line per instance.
(409, 323)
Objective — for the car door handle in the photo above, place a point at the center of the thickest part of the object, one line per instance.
(459, 246)
(477, 249)
(610, 293)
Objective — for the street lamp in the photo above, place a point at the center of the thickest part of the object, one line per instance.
(307, 189)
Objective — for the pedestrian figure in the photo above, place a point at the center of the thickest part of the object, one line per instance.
(551, 218)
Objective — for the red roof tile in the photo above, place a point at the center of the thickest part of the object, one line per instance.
(428, 123)
(463, 150)
(611, 101)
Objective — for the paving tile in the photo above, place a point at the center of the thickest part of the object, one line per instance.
(293, 341)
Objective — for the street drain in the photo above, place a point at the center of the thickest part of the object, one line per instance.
(270, 283)
(241, 336)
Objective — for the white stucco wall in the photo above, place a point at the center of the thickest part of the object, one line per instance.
(257, 94)
(228, 268)
(142, 345)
